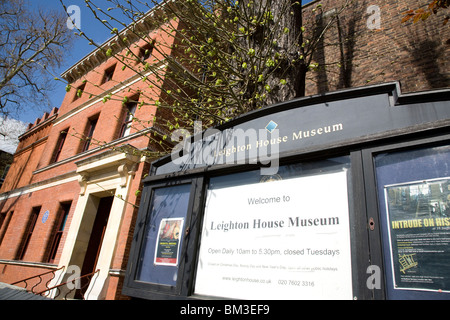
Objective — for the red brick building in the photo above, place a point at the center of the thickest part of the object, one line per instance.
(72, 202)
(68, 165)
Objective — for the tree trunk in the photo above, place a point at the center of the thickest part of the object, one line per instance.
(287, 78)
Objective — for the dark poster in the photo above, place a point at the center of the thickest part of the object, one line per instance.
(419, 227)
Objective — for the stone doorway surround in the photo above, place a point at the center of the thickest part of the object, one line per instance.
(107, 174)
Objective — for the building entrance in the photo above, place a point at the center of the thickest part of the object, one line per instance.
(95, 242)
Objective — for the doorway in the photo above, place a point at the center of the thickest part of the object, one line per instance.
(95, 243)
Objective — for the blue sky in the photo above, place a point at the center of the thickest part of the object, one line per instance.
(81, 48)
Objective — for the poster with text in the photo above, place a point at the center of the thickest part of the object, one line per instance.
(419, 234)
(168, 242)
(286, 239)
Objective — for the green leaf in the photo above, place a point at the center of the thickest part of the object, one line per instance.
(270, 63)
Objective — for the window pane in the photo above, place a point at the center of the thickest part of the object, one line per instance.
(160, 254)
(64, 213)
(29, 232)
(90, 132)
(60, 145)
(5, 225)
(109, 73)
(128, 120)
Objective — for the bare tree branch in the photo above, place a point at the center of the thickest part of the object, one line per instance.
(30, 44)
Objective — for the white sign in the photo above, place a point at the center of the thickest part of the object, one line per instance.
(278, 240)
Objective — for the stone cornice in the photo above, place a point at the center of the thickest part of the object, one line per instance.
(98, 55)
(123, 162)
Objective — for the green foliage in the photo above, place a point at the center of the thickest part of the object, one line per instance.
(213, 60)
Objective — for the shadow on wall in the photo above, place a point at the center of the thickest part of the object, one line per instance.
(347, 28)
(413, 53)
(425, 55)
(426, 47)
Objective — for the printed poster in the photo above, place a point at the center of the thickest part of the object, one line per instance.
(419, 234)
(168, 242)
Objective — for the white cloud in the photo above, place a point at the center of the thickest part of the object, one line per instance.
(10, 130)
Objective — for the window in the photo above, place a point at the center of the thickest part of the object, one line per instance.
(28, 232)
(79, 91)
(59, 145)
(128, 119)
(61, 223)
(145, 52)
(2, 218)
(92, 123)
(5, 171)
(4, 223)
(163, 240)
(109, 72)
(414, 202)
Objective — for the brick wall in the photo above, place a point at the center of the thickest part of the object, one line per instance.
(356, 51)
(34, 165)
(29, 151)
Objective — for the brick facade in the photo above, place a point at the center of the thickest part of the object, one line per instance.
(42, 182)
(414, 54)
(369, 44)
